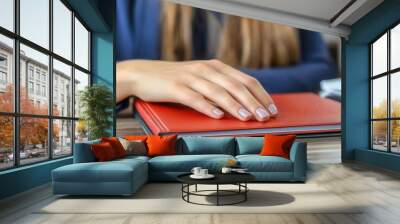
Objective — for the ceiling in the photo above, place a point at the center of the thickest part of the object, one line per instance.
(327, 16)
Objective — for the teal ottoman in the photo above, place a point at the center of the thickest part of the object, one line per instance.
(119, 177)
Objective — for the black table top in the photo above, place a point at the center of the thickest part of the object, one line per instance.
(220, 178)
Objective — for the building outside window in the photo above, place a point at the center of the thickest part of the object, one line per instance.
(385, 91)
(57, 128)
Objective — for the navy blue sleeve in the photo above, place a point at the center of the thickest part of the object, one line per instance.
(138, 29)
(315, 65)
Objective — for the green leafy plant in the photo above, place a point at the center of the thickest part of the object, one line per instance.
(96, 104)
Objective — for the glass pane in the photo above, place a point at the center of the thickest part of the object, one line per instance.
(81, 132)
(62, 89)
(395, 94)
(34, 92)
(379, 135)
(35, 21)
(395, 47)
(62, 29)
(81, 45)
(33, 139)
(81, 81)
(7, 14)
(379, 97)
(395, 136)
(6, 142)
(379, 55)
(6, 74)
(62, 138)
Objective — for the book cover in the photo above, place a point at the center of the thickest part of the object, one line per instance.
(299, 113)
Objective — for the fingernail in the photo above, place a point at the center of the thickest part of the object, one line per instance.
(272, 108)
(244, 113)
(262, 113)
(217, 112)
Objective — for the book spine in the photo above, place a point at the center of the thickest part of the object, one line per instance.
(150, 118)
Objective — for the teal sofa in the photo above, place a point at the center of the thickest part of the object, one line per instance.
(125, 176)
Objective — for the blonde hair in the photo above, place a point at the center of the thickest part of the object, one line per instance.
(243, 42)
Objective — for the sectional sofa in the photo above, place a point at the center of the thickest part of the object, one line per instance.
(125, 176)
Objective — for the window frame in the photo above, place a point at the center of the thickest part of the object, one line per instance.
(16, 115)
(388, 74)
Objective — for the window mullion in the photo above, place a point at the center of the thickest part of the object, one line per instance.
(16, 84)
(50, 81)
(389, 101)
(73, 82)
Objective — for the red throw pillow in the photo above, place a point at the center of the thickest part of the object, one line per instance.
(116, 145)
(277, 145)
(161, 145)
(103, 152)
(136, 137)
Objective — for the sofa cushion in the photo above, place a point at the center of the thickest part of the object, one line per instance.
(249, 145)
(161, 145)
(112, 171)
(134, 147)
(83, 152)
(116, 145)
(185, 163)
(206, 145)
(277, 145)
(103, 152)
(257, 163)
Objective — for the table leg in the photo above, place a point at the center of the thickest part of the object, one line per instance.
(195, 188)
(245, 193)
(217, 194)
(188, 189)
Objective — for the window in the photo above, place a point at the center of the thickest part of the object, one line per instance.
(30, 72)
(30, 87)
(3, 72)
(3, 61)
(38, 74)
(7, 14)
(3, 78)
(81, 45)
(44, 91)
(37, 89)
(385, 91)
(34, 128)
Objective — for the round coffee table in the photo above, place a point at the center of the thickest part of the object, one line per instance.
(238, 179)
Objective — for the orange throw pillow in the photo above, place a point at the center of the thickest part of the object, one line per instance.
(136, 137)
(277, 145)
(161, 145)
(116, 145)
(103, 152)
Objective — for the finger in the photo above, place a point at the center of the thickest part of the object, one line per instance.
(239, 92)
(252, 84)
(190, 98)
(221, 97)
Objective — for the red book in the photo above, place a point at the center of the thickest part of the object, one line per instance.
(299, 113)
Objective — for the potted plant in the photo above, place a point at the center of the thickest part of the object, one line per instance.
(96, 104)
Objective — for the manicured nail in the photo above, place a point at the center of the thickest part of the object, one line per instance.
(262, 113)
(244, 113)
(217, 112)
(272, 108)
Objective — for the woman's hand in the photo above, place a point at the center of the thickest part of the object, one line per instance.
(210, 87)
